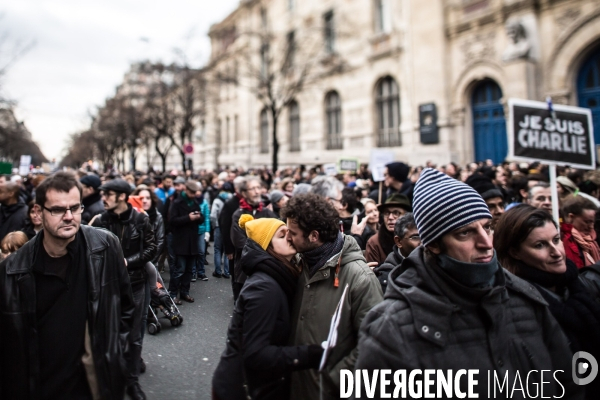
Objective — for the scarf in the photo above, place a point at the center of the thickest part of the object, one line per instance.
(588, 245)
(578, 315)
(315, 259)
(152, 213)
(386, 239)
(472, 275)
(188, 201)
(244, 205)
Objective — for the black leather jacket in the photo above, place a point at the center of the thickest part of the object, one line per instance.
(158, 227)
(135, 234)
(110, 314)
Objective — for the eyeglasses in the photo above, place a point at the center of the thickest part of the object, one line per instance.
(395, 213)
(61, 211)
(254, 189)
(414, 238)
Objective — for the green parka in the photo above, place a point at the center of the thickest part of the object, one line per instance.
(315, 302)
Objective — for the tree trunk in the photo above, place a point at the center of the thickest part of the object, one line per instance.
(275, 142)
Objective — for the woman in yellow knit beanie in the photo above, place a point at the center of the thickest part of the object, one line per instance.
(256, 351)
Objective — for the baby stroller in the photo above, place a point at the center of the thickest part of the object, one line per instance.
(161, 300)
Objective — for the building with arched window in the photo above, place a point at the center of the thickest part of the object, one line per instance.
(379, 64)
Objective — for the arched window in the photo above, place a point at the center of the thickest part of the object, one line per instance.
(588, 89)
(264, 131)
(388, 113)
(333, 110)
(294, 115)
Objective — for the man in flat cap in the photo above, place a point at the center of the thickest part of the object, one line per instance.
(134, 231)
(185, 218)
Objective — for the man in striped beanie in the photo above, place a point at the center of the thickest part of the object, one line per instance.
(449, 306)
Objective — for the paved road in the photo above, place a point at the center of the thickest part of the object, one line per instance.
(180, 361)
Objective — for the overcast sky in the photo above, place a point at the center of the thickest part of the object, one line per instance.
(83, 48)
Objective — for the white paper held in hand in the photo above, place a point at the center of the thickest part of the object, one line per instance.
(333, 334)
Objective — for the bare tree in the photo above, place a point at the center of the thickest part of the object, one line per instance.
(189, 105)
(277, 66)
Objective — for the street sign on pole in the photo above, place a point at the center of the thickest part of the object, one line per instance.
(188, 148)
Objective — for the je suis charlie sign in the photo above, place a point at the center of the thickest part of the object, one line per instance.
(560, 135)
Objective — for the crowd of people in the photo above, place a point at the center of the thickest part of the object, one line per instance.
(442, 268)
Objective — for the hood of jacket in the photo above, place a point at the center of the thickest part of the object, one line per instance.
(252, 255)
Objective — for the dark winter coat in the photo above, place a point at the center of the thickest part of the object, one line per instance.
(184, 230)
(92, 206)
(158, 227)
(225, 219)
(238, 238)
(110, 313)
(29, 230)
(258, 334)
(135, 234)
(392, 261)
(430, 321)
(12, 218)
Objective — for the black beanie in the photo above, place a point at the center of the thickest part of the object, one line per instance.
(398, 170)
(484, 186)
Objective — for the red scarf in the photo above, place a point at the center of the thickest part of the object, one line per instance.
(245, 206)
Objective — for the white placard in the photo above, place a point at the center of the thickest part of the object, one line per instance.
(332, 337)
(379, 159)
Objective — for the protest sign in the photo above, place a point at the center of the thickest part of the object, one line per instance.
(330, 169)
(379, 159)
(559, 135)
(348, 165)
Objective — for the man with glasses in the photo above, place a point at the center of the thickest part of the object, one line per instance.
(406, 239)
(382, 243)
(66, 306)
(250, 203)
(134, 231)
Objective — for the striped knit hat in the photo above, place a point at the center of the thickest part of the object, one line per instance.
(442, 204)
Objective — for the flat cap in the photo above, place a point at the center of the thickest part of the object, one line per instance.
(118, 186)
(179, 180)
(92, 181)
(192, 185)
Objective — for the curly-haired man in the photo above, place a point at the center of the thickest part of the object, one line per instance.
(329, 261)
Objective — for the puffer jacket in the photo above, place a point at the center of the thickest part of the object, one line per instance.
(110, 314)
(314, 305)
(135, 234)
(259, 332)
(430, 321)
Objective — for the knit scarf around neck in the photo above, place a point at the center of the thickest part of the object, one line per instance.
(315, 259)
(184, 196)
(588, 245)
(578, 315)
(244, 205)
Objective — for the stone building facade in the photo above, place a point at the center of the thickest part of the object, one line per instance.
(427, 80)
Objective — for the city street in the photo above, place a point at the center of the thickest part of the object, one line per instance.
(181, 360)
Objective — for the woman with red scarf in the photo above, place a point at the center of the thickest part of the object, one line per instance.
(577, 231)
